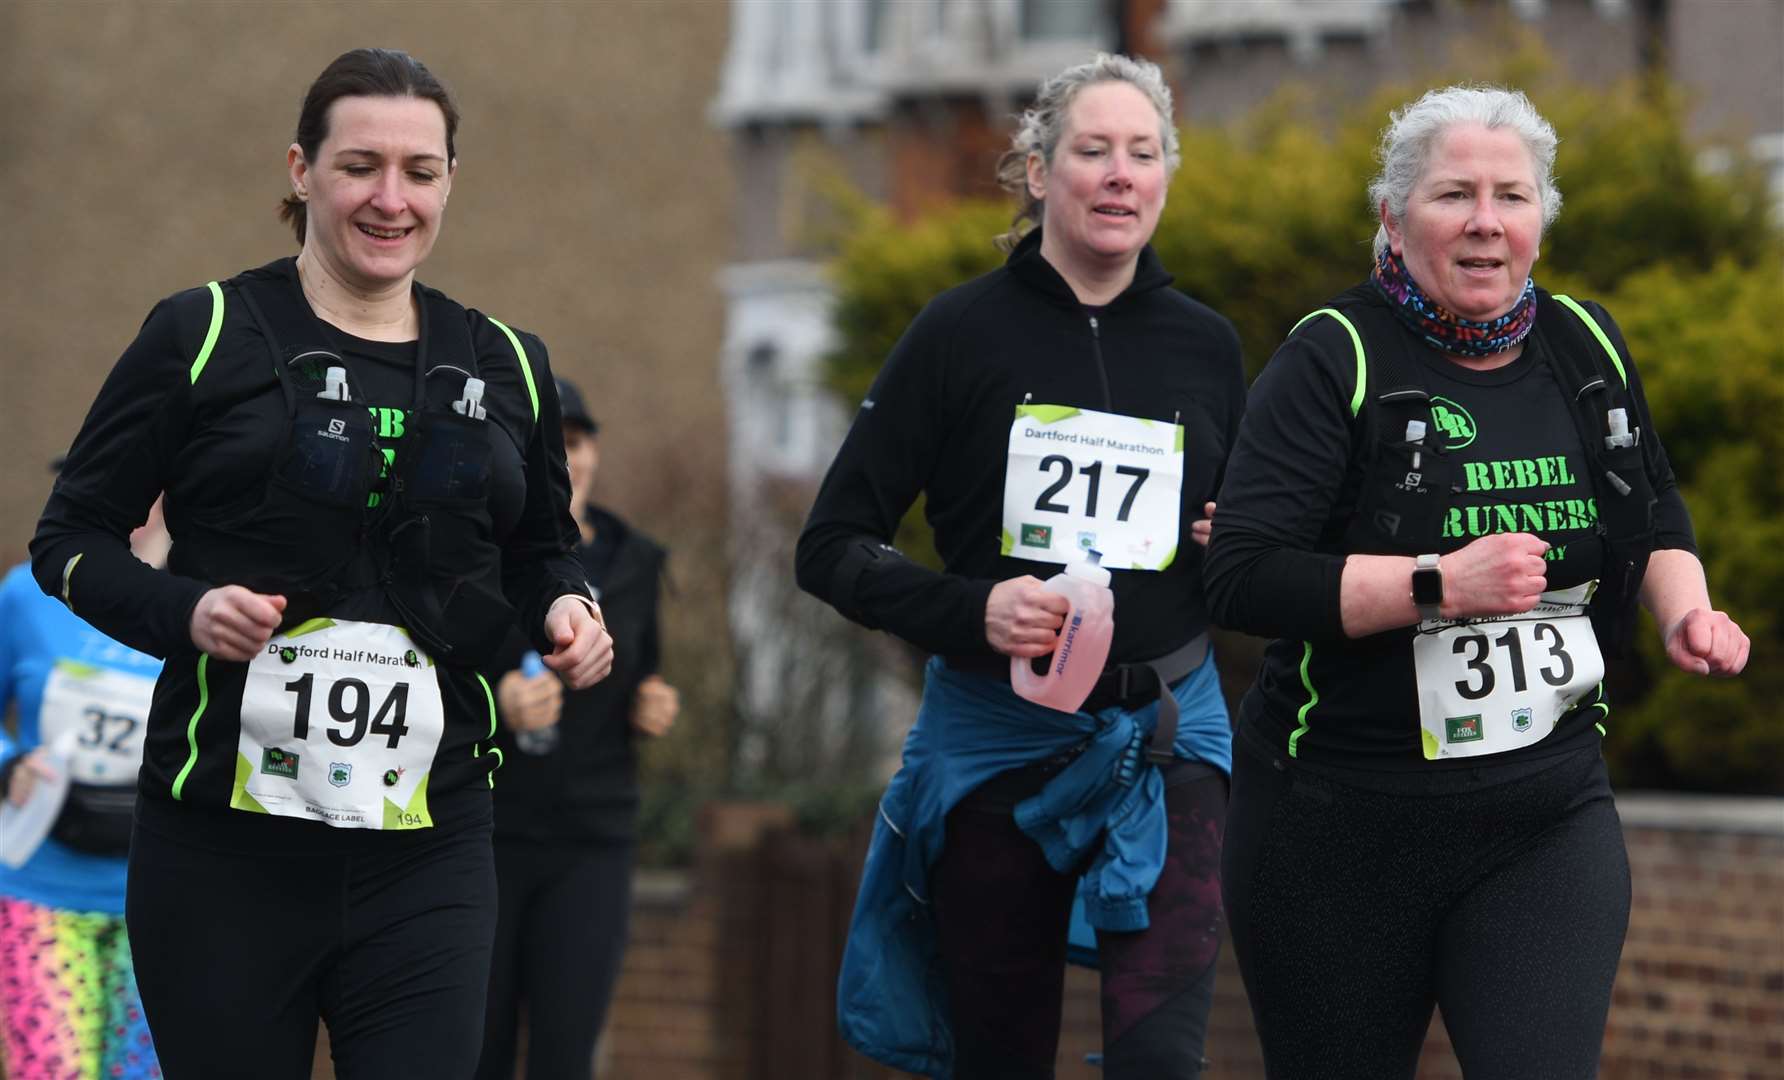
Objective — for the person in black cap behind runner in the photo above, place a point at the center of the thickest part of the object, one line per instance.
(567, 807)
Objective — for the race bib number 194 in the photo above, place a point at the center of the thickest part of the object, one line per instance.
(340, 722)
(1078, 479)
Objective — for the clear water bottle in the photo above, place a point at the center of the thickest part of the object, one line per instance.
(539, 741)
(1083, 649)
(22, 828)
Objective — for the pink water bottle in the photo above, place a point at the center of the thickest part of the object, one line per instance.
(1083, 648)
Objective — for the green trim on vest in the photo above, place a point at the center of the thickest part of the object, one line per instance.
(1592, 325)
(204, 698)
(210, 337)
(477, 751)
(526, 368)
(67, 577)
(1312, 696)
(1356, 342)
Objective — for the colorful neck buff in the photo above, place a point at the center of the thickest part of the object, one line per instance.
(1442, 328)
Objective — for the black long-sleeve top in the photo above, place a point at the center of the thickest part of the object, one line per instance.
(1292, 487)
(937, 421)
(209, 439)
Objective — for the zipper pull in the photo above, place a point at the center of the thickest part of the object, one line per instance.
(1094, 332)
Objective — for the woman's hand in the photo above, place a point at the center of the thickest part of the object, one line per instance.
(1022, 618)
(1698, 638)
(234, 623)
(31, 768)
(1706, 642)
(655, 708)
(528, 703)
(1494, 575)
(1501, 574)
(582, 652)
(1203, 527)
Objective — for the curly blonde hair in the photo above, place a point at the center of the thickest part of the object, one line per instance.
(1043, 123)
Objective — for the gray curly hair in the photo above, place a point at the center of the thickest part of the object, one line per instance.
(1043, 123)
(1412, 133)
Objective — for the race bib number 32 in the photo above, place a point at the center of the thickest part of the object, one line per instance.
(1078, 479)
(95, 715)
(340, 724)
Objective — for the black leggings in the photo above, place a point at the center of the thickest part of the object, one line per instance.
(1001, 918)
(560, 935)
(1499, 894)
(238, 953)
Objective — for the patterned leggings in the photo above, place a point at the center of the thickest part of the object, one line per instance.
(1001, 919)
(69, 1008)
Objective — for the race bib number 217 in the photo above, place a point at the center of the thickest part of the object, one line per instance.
(1077, 479)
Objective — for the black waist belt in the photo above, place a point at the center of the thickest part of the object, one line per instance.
(1126, 685)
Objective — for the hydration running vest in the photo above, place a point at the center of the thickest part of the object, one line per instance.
(1409, 477)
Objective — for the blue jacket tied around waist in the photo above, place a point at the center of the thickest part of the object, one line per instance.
(1107, 806)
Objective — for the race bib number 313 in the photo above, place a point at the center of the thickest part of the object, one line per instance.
(340, 724)
(1078, 479)
(1490, 685)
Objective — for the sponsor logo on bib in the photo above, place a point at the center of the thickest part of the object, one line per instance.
(1520, 719)
(277, 762)
(340, 773)
(1462, 728)
(1037, 536)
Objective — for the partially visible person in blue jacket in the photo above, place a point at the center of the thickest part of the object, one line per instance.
(69, 1005)
(1069, 400)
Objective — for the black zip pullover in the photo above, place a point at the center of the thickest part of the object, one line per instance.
(937, 420)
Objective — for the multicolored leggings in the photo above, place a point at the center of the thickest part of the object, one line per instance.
(69, 1008)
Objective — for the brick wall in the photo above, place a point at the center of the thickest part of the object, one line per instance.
(715, 989)
(1701, 989)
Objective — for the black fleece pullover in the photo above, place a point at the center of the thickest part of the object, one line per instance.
(937, 421)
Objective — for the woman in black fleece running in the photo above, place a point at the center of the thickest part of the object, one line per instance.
(1068, 400)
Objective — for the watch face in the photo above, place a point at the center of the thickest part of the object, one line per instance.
(1427, 587)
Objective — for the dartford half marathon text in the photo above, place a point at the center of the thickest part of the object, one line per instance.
(1093, 442)
(344, 656)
